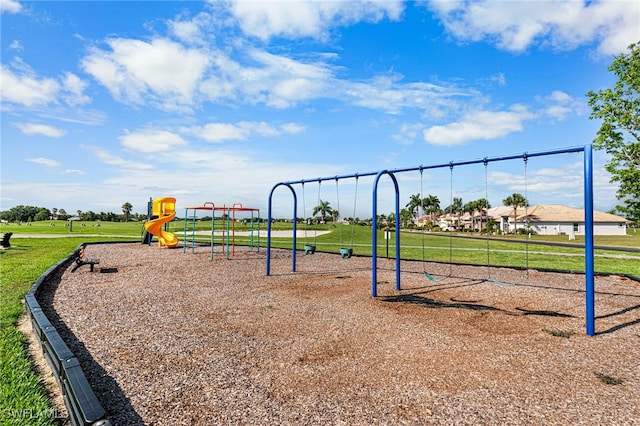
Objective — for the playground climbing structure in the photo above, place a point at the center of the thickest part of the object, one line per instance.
(218, 232)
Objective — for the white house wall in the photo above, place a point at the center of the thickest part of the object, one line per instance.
(544, 228)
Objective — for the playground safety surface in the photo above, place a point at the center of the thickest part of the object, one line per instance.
(177, 338)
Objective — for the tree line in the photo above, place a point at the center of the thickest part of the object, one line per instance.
(26, 214)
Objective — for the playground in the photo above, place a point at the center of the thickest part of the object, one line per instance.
(168, 337)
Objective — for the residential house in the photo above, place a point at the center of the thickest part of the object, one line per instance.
(554, 219)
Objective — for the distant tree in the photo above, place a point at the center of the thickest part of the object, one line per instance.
(55, 213)
(456, 207)
(43, 214)
(515, 200)
(431, 204)
(323, 208)
(405, 218)
(470, 207)
(21, 213)
(414, 205)
(482, 204)
(619, 134)
(126, 209)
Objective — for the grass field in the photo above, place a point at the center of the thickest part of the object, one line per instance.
(22, 391)
(23, 397)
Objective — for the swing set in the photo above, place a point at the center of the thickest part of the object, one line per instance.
(489, 278)
(588, 208)
(345, 252)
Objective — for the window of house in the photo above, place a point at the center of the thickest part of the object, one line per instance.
(575, 227)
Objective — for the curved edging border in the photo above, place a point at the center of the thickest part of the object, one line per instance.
(81, 402)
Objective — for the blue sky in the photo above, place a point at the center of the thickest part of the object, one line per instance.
(111, 102)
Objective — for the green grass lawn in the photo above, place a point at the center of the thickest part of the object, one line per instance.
(78, 228)
(443, 247)
(23, 398)
(22, 390)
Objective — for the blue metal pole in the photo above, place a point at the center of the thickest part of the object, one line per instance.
(295, 229)
(269, 231)
(374, 232)
(269, 220)
(589, 269)
(374, 236)
(395, 184)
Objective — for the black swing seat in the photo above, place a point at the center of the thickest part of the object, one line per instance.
(4, 240)
(81, 260)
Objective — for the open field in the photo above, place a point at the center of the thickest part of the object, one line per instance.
(511, 251)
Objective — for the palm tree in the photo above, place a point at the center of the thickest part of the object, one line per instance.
(456, 207)
(405, 217)
(516, 200)
(381, 221)
(414, 204)
(323, 208)
(431, 204)
(470, 208)
(482, 204)
(126, 209)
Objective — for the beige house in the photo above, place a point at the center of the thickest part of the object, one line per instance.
(555, 219)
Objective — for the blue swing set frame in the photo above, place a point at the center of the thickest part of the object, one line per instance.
(587, 151)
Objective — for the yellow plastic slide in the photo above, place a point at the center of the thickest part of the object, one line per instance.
(165, 210)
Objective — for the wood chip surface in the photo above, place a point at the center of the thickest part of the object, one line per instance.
(173, 338)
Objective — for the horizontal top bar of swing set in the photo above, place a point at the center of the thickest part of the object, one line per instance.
(485, 160)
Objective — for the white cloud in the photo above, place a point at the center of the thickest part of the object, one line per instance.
(40, 129)
(151, 140)
(73, 90)
(516, 26)
(561, 185)
(10, 6)
(74, 172)
(559, 105)
(479, 125)
(162, 70)
(219, 132)
(408, 133)
(387, 93)
(292, 128)
(295, 19)
(44, 161)
(113, 160)
(279, 81)
(21, 85)
(16, 44)
(27, 89)
(159, 74)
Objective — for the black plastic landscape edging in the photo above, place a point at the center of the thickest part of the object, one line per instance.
(81, 402)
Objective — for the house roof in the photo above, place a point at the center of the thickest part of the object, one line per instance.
(554, 213)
